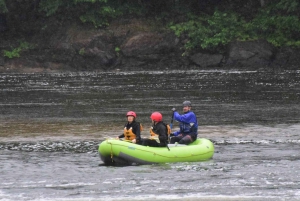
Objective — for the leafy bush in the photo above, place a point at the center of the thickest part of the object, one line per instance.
(97, 12)
(100, 12)
(278, 30)
(278, 23)
(15, 52)
(3, 8)
(82, 51)
(212, 32)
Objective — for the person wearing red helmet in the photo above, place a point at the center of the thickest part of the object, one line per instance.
(158, 132)
(132, 129)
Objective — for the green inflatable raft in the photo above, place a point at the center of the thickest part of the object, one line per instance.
(118, 152)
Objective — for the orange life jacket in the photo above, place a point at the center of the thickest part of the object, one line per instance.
(129, 135)
(156, 135)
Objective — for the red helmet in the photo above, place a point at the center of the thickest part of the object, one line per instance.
(156, 116)
(131, 113)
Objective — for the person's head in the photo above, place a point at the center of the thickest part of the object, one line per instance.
(187, 105)
(131, 115)
(156, 117)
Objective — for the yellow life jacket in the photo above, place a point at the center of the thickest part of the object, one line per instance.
(155, 135)
(129, 135)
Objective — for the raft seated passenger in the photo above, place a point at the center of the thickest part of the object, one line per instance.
(132, 129)
(158, 132)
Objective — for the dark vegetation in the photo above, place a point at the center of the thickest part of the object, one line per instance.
(207, 24)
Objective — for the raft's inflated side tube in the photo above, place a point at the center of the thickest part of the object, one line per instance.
(117, 152)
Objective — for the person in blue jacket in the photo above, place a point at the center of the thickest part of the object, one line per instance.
(187, 123)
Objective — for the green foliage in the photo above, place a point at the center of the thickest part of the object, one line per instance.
(117, 49)
(275, 23)
(15, 52)
(200, 22)
(3, 8)
(278, 30)
(212, 32)
(82, 51)
(289, 6)
(50, 7)
(99, 17)
(97, 12)
(12, 54)
(279, 23)
(131, 8)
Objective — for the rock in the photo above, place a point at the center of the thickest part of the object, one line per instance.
(207, 60)
(98, 53)
(286, 58)
(3, 23)
(2, 61)
(253, 54)
(151, 51)
(146, 44)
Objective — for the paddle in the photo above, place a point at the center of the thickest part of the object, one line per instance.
(172, 119)
(171, 125)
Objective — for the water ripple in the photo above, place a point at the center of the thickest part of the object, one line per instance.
(67, 146)
(92, 146)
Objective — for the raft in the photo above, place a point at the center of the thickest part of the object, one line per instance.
(118, 152)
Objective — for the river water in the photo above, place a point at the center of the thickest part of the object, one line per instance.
(51, 125)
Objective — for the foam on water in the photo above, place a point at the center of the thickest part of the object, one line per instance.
(170, 197)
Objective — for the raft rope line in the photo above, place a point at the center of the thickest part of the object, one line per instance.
(111, 152)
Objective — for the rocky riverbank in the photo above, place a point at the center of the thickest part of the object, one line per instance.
(131, 44)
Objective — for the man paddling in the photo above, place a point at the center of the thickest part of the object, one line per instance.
(188, 125)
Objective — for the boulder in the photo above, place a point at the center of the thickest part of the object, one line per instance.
(2, 61)
(149, 45)
(207, 60)
(253, 54)
(151, 50)
(3, 23)
(287, 58)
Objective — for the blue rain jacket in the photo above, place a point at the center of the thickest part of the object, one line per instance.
(188, 123)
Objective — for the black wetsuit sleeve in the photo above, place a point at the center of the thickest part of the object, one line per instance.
(122, 135)
(162, 132)
(137, 131)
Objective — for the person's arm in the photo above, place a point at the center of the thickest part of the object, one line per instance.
(176, 117)
(176, 133)
(185, 118)
(162, 133)
(121, 136)
(137, 132)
